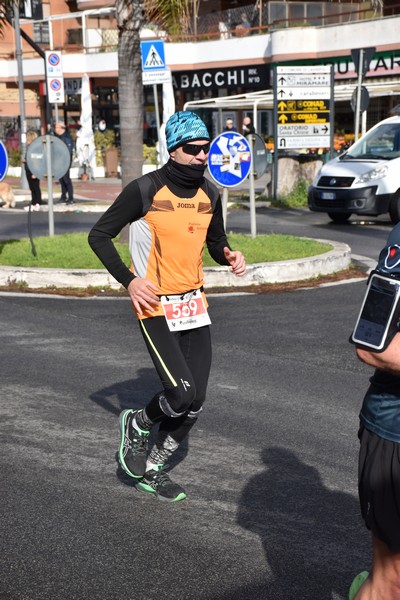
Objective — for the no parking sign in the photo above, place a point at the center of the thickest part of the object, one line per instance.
(54, 77)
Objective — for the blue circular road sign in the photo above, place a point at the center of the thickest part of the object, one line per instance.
(229, 159)
(3, 161)
(55, 84)
(53, 59)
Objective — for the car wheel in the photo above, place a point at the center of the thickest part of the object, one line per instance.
(394, 208)
(339, 217)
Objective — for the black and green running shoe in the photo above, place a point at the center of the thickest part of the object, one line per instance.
(357, 583)
(132, 453)
(157, 482)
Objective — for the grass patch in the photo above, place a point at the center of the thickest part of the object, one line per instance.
(271, 248)
(72, 251)
(67, 251)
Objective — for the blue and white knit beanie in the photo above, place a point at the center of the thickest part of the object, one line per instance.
(183, 127)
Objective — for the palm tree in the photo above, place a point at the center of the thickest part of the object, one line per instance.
(132, 15)
(130, 19)
(6, 9)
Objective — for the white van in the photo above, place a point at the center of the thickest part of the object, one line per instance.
(364, 180)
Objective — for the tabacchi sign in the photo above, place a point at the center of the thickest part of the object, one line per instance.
(254, 76)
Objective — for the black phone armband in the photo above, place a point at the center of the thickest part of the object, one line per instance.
(378, 320)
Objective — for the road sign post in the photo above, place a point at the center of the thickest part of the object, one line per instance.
(361, 58)
(303, 109)
(23, 180)
(54, 77)
(154, 70)
(252, 199)
(48, 155)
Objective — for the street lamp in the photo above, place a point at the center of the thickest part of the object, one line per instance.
(18, 52)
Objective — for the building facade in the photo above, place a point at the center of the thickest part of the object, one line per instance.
(221, 59)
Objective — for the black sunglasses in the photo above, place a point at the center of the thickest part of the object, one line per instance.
(195, 149)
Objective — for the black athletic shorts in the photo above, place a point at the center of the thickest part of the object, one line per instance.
(379, 487)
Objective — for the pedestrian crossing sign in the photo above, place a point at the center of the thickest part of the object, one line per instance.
(153, 55)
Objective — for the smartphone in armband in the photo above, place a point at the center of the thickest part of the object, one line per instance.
(378, 321)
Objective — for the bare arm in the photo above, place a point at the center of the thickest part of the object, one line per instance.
(388, 360)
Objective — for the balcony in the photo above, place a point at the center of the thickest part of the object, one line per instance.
(94, 30)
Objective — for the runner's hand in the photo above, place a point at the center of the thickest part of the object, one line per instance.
(236, 260)
(143, 294)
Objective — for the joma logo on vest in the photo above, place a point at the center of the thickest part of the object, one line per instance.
(185, 205)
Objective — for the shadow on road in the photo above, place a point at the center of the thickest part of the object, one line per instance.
(313, 538)
(131, 393)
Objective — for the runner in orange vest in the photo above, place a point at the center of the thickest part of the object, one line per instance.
(172, 213)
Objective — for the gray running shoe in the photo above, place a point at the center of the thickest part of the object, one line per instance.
(158, 482)
(132, 452)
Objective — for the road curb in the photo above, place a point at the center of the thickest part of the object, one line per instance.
(337, 259)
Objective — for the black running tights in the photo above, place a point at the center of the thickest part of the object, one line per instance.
(182, 360)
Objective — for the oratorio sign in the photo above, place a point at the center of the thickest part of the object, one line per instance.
(303, 101)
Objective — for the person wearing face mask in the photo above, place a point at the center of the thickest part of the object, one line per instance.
(172, 213)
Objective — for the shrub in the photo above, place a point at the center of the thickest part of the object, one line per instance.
(103, 140)
(296, 198)
(150, 154)
(14, 157)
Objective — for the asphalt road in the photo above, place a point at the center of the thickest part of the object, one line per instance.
(270, 470)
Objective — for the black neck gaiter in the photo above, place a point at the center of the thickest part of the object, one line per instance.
(185, 176)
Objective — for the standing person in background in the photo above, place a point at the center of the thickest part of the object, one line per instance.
(245, 21)
(243, 27)
(379, 457)
(33, 182)
(229, 125)
(172, 213)
(67, 190)
(248, 126)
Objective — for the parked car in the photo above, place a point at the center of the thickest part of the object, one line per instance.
(364, 180)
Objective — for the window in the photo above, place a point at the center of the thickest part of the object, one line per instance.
(74, 36)
(41, 33)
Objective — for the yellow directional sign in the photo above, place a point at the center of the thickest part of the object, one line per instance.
(303, 105)
(303, 117)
